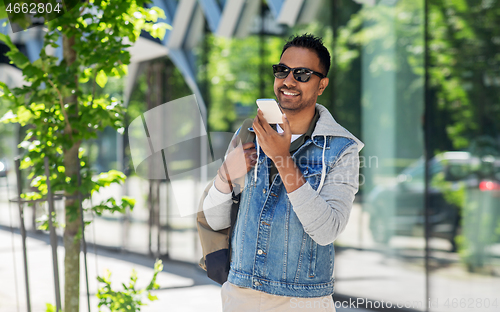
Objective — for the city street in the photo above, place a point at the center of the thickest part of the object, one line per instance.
(183, 286)
(369, 272)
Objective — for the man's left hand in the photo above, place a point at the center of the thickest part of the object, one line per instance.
(275, 145)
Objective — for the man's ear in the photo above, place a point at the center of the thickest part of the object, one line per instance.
(322, 85)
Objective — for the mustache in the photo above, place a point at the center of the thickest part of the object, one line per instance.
(288, 89)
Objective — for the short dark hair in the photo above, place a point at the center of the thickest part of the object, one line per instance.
(314, 43)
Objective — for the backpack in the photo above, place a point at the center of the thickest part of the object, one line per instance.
(216, 245)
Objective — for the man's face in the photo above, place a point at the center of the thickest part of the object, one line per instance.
(292, 94)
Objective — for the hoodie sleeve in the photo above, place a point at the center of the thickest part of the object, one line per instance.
(324, 216)
(217, 205)
(217, 209)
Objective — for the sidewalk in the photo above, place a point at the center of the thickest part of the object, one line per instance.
(183, 287)
(179, 283)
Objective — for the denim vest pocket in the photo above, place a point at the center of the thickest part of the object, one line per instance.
(307, 259)
(312, 172)
(302, 256)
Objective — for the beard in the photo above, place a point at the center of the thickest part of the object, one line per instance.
(295, 104)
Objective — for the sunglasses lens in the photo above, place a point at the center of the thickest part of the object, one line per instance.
(280, 71)
(302, 74)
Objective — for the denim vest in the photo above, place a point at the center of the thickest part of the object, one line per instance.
(271, 252)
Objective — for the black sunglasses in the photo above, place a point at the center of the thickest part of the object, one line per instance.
(281, 71)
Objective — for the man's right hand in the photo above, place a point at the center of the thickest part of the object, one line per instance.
(238, 162)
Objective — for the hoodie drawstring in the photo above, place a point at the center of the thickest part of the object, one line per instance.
(257, 163)
(323, 169)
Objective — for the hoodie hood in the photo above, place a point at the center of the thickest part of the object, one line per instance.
(327, 125)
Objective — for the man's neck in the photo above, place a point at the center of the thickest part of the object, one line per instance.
(300, 120)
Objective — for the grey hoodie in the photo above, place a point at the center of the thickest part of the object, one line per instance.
(323, 213)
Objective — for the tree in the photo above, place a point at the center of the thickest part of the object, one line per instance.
(62, 113)
(464, 52)
(233, 75)
(463, 68)
(464, 86)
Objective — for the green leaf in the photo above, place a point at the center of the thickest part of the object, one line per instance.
(152, 297)
(26, 163)
(50, 307)
(100, 279)
(8, 117)
(7, 41)
(15, 56)
(85, 75)
(128, 202)
(101, 79)
(158, 265)
(112, 176)
(3, 13)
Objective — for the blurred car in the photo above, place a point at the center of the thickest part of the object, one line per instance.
(398, 209)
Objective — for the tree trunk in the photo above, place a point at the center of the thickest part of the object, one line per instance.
(72, 213)
(71, 243)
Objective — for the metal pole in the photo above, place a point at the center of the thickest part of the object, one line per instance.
(159, 101)
(167, 221)
(150, 105)
(427, 151)
(262, 51)
(53, 237)
(333, 88)
(84, 244)
(167, 230)
(13, 248)
(23, 232)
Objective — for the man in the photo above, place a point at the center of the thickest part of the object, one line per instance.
(300, 181)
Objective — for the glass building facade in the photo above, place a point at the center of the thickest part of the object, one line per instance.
(418, 81)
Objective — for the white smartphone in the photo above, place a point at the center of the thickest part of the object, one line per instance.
(272, 111)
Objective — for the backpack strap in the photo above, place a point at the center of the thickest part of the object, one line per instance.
(245, 135)
(218, 243)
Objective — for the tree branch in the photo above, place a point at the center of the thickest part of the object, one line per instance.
(61, 102)
(93, 86)
(63, 110)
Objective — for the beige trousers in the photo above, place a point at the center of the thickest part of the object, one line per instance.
(239, 299)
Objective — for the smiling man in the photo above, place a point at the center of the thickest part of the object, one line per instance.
(300, 181)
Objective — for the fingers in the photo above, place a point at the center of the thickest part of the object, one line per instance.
(286, 125)
(250, 164)
(257, 127)
(261, 127)
(263, 122)
(251, 153)
(250, 158)
(257, 123)
(239, 162)
(248, 146)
